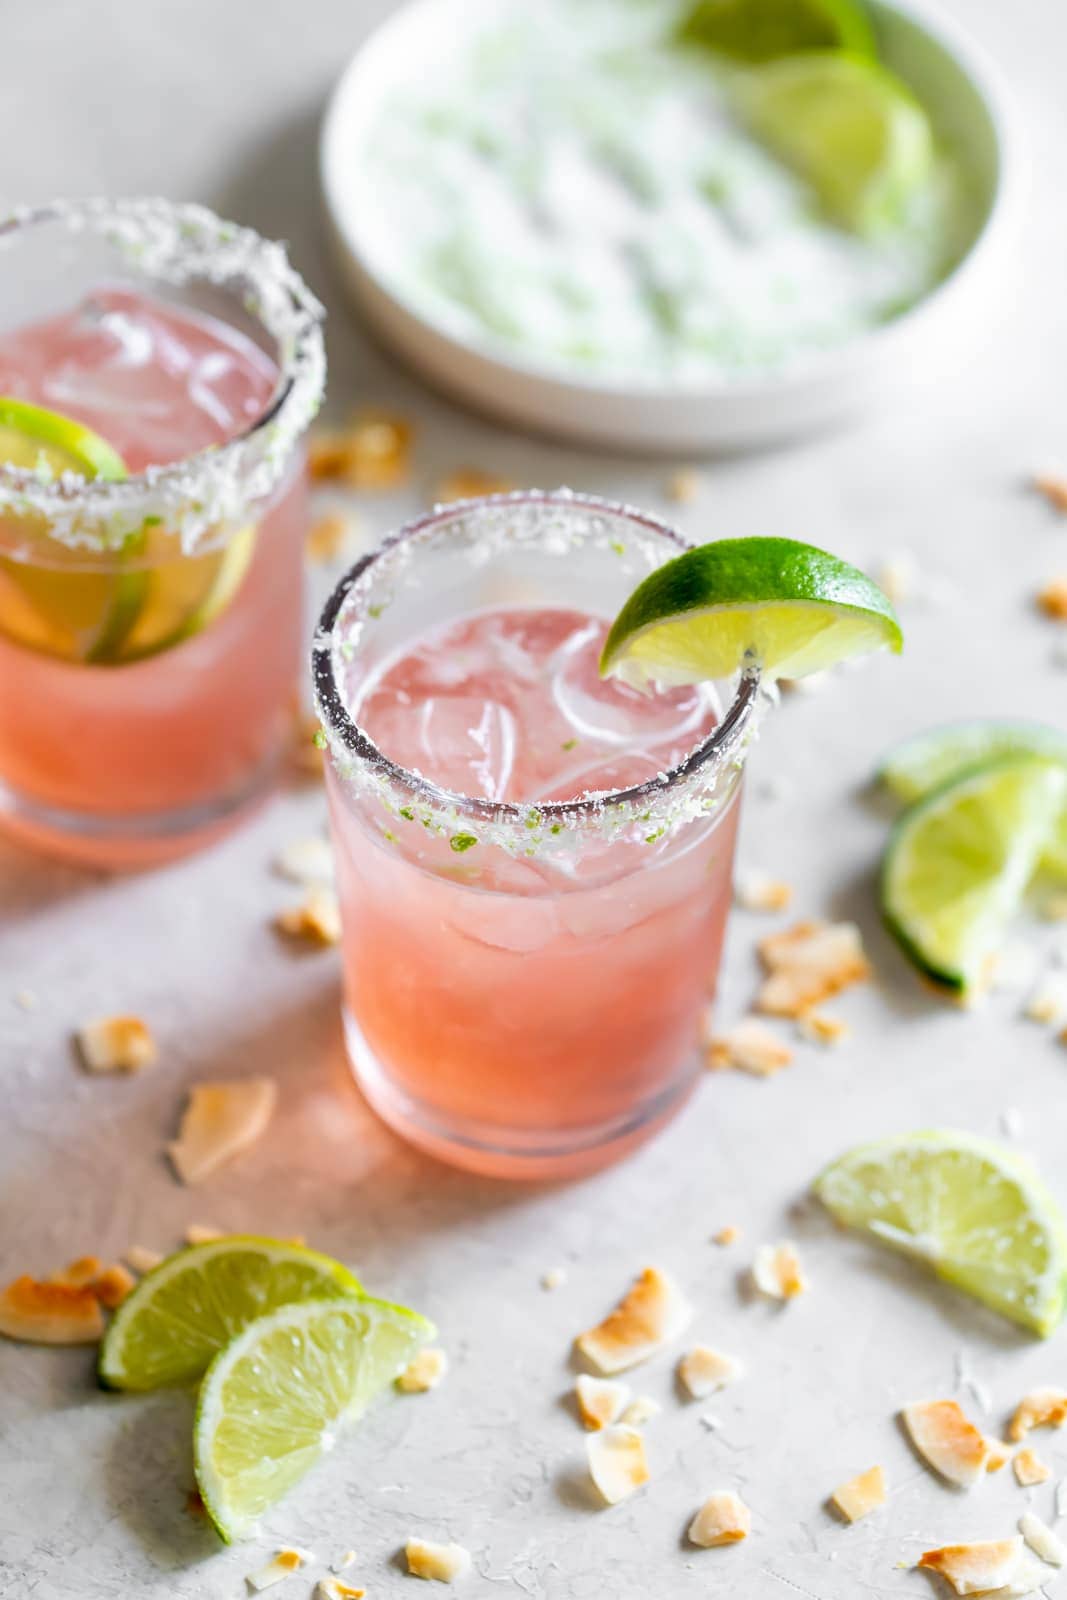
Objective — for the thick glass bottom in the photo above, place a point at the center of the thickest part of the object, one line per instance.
(486, 1147)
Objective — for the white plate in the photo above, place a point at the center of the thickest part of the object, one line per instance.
(955, 84)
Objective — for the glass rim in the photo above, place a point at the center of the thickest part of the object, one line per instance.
(722, 743)
(183, 243)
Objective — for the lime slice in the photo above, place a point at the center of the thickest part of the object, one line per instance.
(848, 127)
(931, 759)
(789, 607)
(272, 1401)
(972, 1210)
(958, 863)
(190, 1306)
(47, 443)
(182, 594)
(762, 30)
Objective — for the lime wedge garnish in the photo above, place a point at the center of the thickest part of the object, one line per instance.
(762, 30)
(190, 1306)
(848, 127)
(789, 607)
(46, 442)
(973, 1211)
(273, 1400)
(930, 759)
(958, 863)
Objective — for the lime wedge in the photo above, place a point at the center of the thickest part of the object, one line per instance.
(182, 594)
(972, 1210)
(272, 1401)
(958, 863)
(848, 127)
(190, 1306)
(789, 607)
(762, 30)
(932, 758)
(50, 444)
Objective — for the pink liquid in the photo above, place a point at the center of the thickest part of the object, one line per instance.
(513, 1014)
(134, 761)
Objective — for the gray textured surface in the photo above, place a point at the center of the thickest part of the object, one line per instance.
(219, 101)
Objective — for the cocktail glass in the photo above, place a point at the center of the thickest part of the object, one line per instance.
(150, 628)
(524, 979)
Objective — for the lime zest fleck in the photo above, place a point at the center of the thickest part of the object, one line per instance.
(462, 841)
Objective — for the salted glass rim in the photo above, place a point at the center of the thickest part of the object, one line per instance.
(181, 243)
(347, 739)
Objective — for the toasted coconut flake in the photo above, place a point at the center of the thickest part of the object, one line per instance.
(424, 1372)
(307, 861)
(998, 1454)
(468, 483)
(142, 1259)
(998, 1564)
(554, 1278)
(860, 1495)
(754, 891)
(445, 1562)
(335, 1589)
(727, 1235)
(79, 1272)
(1052, 599)
(818, 1028)
(777, 1271)
(113, 1285)
(220, 1120)
(203, 1233)
(331, 537)
(50, 1313)
(373, 453)
(317, 918)
(947, 1441)
(117, 1044)
(724, 1518)
(642, 1409)
(1054, 489)
(651, 1313)
(808, 963)
(750, 1046)
(683, 486)
(1048, 1003)
(601, 1401)
(1029, 1469)
(345, 1561)
(280, 1566)
(1042, 1541)
(617, 1463)
(1041, 1408)
(703, 1371)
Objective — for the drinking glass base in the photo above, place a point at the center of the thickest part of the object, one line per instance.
(533, 1154)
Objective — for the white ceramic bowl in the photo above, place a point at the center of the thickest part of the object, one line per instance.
(957, 86)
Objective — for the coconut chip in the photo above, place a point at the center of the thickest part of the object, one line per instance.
(683, 486)
(703, 1371)
(750, 1046)
(423, 1372)
(117, 1044)
(640, 1410)
(317, 918)
(112, 1285)
(617, 1463)
(727, 1235)
(808, 963)
(280, 1566)
(1041, 1408)
(335, 1589)
(601, 1401)
(998, 1454)
(142, 1259)
(1029, 1469)
(50, 1313)
(79, 1272)
(445, 1562)
(754, 891)
(468, 483)
(1042, 1541)
(818, 1028)
(373, 453)
(947, 1441)
(1052, 599)
(330, 537)
(1054, 489)
(993, 1564)
(220, 1120)
(651, 1313)
(554, 1278)
(777, 1272)
(860, 1495)
(306, 861)
(722, 1519)
(344, 1562)
(202, 1233)
(1048, 1003)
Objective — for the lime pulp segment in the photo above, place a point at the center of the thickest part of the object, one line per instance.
(273, 1400)
(762, 30)
(972, 1210)
(932, 758)
(787, 606)
(189, 1307)
(848, 127)
(958, 863)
